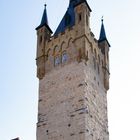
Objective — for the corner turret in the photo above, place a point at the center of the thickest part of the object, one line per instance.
(44, 21)
(104, 46)
(102, 36)
(43, 36)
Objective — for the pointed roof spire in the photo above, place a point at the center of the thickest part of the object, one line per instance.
(44, 20)
(102, 36)
(44, 17)
(102, 32)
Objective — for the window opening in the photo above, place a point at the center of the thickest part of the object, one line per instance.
(80, 17)
(57, 61)
(67, 19)
(64, 57)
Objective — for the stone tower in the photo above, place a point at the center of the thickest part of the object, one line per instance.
(73, 72)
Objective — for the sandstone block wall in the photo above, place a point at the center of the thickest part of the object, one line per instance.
(72, 106)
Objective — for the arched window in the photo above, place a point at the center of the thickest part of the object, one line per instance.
(63, 46)
(57, 60)
(56, 49)
(64, 57)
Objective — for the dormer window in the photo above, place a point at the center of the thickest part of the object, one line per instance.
(67, 19)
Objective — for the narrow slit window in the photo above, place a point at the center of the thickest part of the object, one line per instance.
(80, 17)
(40, 39)
(87, 20)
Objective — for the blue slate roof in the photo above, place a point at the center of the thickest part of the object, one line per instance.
(44, 17)
(44, 20)
(102, 36)
(69, 15)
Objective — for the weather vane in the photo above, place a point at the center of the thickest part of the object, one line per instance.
(45, 5)
(102, 19)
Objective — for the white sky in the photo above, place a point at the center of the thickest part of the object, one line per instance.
(18, 82)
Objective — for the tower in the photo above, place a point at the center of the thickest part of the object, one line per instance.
(73, 72)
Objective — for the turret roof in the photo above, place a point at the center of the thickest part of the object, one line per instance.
(102, 36)
(44, 20)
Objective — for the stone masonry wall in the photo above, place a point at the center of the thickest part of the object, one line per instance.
(72, 105)
(62, 105)
(96, 102)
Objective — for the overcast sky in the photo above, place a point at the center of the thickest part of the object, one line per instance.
(18, 82)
